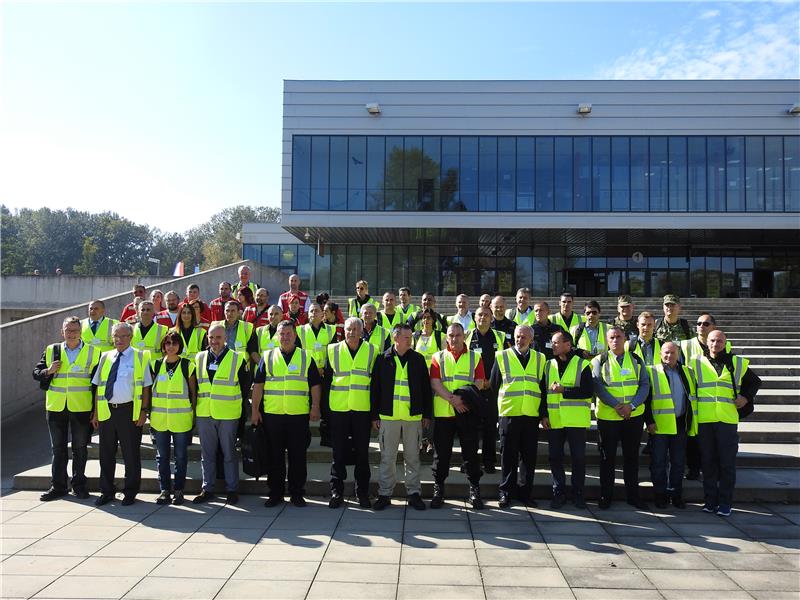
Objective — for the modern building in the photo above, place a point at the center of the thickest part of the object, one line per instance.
(600, 187)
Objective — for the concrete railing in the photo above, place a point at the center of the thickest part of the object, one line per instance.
(22, 342)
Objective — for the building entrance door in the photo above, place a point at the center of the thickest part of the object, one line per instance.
(763, 284)
(586, 282)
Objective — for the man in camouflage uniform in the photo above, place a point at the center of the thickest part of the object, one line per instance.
(672, 328)
(624, 319)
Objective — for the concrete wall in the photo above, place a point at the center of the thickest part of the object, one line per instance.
(22, 342)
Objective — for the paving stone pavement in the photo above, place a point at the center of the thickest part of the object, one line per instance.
(70, 549)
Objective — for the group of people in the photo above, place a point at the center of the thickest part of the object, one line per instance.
(407, 372)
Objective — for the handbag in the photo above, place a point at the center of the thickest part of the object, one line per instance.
(255, 451)
(44, 382)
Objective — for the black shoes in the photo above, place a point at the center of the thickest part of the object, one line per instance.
(605, 503)
(53, 494)
(693, 474)
(204, 496)
(384, 501)
(273, 501)
(558, 501)
(489, 468)
(437, 501)
(81, 493)
(163, 498)
(103, 499)
(503, 500)
(298, 501)
(177, 500)
(336, 501)
(363, 502)
(638, 504)
(414, 501)
(678, 502)
(128, 500)
(579, 501)
(475, 497)
(661, 501)
(232, 498)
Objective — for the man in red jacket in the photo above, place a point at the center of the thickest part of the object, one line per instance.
(139, 291)
(294, 290)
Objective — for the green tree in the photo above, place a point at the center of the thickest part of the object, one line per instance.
(220, 236)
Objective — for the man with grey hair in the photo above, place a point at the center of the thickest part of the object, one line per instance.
(67, 369)
(122, 402)
(518, 376)
(244, 281)
(223, 380)
(349, 370)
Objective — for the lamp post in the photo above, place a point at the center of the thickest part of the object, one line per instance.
(150, 259)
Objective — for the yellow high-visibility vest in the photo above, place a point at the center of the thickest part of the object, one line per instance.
(715, 393)
(171, 408)
(100, 339)
(454, 374)
(222, 398)
(622, 382)
(316, 344)
(141, 361)
(401, 401)
(520, 394)
(286, 390)
(662, 405)
(351, 376)
(71, 386)
(151, 342)
(567, 412)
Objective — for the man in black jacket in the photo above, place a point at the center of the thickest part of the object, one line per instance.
(401, 405)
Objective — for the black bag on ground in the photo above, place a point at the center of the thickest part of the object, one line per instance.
(255, 451)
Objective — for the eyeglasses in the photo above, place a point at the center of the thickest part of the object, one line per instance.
(704, 323)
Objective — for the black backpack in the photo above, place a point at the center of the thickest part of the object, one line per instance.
(255, 451)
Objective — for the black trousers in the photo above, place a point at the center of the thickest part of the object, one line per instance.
(62, 426)
(288, 437)
(350, 431)
(693, 460)
(488, 432)
(612, 433)
(120, 430)
(719, 444)
(668, 460)
(467, 427)
(576, 438)
(519, 441)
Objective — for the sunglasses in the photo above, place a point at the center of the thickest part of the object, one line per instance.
(704, 323)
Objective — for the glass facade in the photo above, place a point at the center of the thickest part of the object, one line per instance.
(546, 173)
(591, 264)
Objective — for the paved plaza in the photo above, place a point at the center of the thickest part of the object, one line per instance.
(70, 549)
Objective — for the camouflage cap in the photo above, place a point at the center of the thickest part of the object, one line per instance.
(624, 300)
(672, 299)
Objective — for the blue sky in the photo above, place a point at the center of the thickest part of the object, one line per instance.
(166, 113)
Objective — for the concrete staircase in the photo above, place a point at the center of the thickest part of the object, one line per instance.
(762, 330)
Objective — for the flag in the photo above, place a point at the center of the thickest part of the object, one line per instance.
(178, 271)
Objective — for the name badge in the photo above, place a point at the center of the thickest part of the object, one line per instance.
(548, 345)
(213, 367)
(508, 336)
(163, 377)
(317, 346)
(423, 346)
(625, 371)
(95, 341)
(76, 368)
(140, 344)
(294, 368)
(239, 344)
(478, 350)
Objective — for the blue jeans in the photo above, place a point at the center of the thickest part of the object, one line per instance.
(181, 443)
(669, 449)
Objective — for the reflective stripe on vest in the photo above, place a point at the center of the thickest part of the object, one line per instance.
(316, 345)
(622, 387)
(585, 343)
(378, 342)
(351, 376)
(520, 393)
(71, 385)
(194, 344)
(499, 338)
(243, 332)
(715, 393)
(101, 339)
(171, 409)
(151, 342)
(572, 412)
(265, 340)
(401, 399)
(427, 348)
(286, 389)
(140, 361)
(454, 374)
(221, 398)
(637, 350)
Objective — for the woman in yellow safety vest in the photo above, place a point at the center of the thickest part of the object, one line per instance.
(193, 336)
(172, 414)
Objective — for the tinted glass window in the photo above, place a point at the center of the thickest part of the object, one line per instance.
(544, 174)
(563, 174)
(677, 174)
(734, 158)
(754, 173)
(601, 174)
(640, 176)
(620, 174)
(338, 173)
(357, 173)
(696, 161)
(526, 155)
(773, 173)
(658, 174)
(506, 173)
(301, 172)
